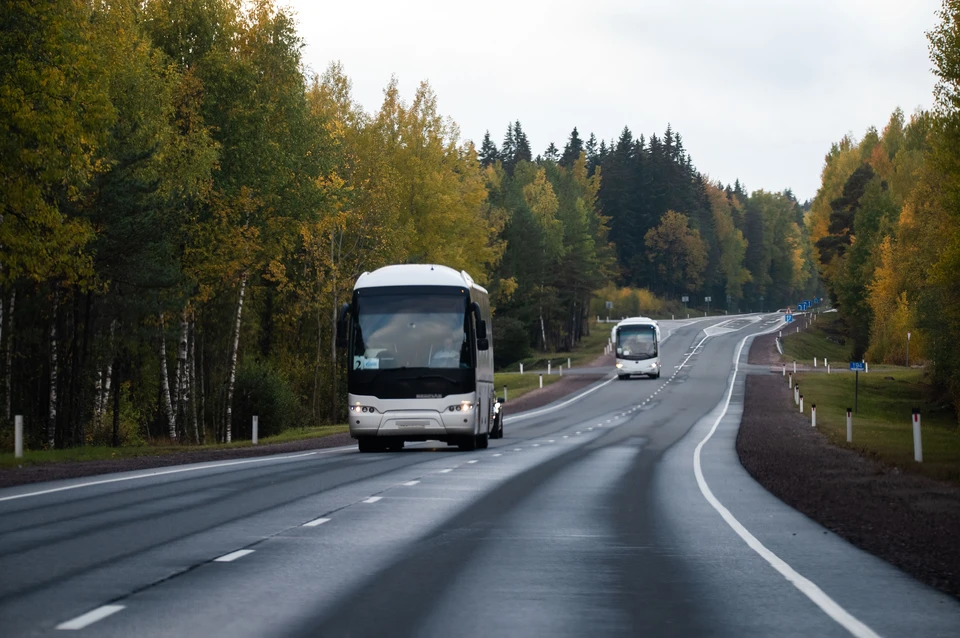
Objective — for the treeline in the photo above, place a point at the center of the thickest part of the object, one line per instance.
(183, 211)
(886, 224)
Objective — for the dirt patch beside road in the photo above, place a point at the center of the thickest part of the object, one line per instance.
(908, 520)
(764, 351)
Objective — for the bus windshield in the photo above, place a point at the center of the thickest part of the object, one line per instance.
(636, 342)
(410, 331)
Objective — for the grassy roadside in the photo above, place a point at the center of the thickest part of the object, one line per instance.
(822, 339)
(100, 453)
(519, 384)
(882, 427)
(589, 348)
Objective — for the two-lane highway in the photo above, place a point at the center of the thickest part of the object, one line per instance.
(620, 511)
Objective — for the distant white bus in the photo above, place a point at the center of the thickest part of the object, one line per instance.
(636, 343)
(421, 359)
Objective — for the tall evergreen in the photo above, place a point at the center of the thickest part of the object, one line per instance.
(488, 151)
(572, 150)
(522, 150)
(551, 154)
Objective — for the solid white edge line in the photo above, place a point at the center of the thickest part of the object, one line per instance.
(232, 556)
(198, 468)
(806, 586)
(372, 499)
(315, 522)
(89, 618)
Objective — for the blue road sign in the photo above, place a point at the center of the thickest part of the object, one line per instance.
(858, 366)
(788, 318)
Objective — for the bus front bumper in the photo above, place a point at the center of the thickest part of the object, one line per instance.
(645, 366)
(416, 425)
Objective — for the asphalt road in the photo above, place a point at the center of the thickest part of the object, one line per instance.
(622, 511)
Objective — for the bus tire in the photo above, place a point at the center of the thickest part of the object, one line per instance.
(368, 444)
(498, 430)
(623, 377)
(482, 441)
(468, 443)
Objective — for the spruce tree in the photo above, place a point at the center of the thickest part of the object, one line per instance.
(571, 152)
(522, 150)
(551, 154)
(488, 151)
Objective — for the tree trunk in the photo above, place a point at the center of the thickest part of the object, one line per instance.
(181, 381)
(228, 425)
(108, 377)
(201, 395)
(116, 406)
(8, 370)
(192, 381)
(165, 384)
(52, 416)
(315, 400)
(334, 389)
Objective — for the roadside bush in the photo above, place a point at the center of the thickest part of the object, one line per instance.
(511, 342)
(260, 390)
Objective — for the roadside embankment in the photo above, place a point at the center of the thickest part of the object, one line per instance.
(906, 518)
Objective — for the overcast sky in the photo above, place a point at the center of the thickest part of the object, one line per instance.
(757, 88)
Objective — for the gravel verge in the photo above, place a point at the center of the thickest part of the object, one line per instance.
(908, 520)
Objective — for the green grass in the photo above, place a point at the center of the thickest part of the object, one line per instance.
(820, 340)
(519, 384)
(100, 453)
(882, 427)
(589, 348)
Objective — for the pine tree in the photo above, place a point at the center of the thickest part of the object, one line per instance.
(571, 152)
(522, 150)
(488, 151)
(551, 154)
(508, 150)
(593, 158)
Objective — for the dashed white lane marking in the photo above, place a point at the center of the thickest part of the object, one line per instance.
(552, 441)
(498, 454)
(90, 617)
(411, 483)
(316, 521)
(565, 436)
(473, 461)
(372, 499)
(516, 449)
(208, 466)
(446, 470)
(578, 433)
(232, 556)
(806, 586)
(536, 445)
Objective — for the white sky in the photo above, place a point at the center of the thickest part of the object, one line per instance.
(758, 89)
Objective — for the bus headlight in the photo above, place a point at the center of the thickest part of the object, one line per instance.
(619, 365)
(464, 406)
(362, 408)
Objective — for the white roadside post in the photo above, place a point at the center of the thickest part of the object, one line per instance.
(18, 436)
(849, 425)
(813, 415)
(784, 370)
(568, 363)
(828, 368)
(504, 393)
(825, 362)
(790, 381)
(917, 441)
(549, 364)
(794, 366)
(866, 367)
(801, 404)
(256, 420)
(814, 362)
(521, 368)
(541, 381)
(561, 369)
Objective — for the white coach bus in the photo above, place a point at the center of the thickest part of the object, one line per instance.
(636, 344)
(421, 359)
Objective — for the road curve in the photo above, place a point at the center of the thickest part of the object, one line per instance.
(590, 516)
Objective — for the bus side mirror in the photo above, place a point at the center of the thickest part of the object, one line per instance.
(483, 344)
(481, 324)
(342, 326)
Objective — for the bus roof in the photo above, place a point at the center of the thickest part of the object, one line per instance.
(635, 320)
(416, 275)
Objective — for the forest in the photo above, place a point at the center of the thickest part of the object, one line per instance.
(886, 227)
(184, 209)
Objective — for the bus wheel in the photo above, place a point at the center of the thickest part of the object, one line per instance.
(498, 430)
(482, 441)
(623, 377)
(368, 444)
(468, 443)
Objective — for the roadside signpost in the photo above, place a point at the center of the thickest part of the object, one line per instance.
(708, 300)
(908, 350)
(857, 367)
(788, 318)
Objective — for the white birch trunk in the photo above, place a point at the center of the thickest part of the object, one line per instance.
(181, 381)
(52, 417)
(98, 400)
(165, 384)
(228, 425)
(9, 366)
